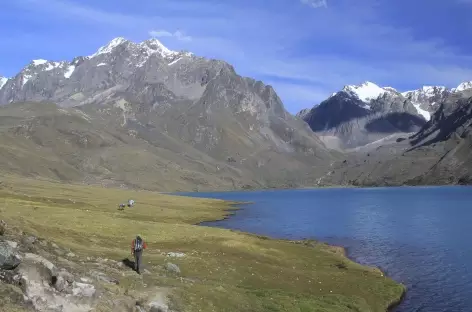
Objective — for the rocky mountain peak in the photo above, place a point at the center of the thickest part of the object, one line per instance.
(424, 92)
(110, 46)
(45, 65)
(153, 46)
(146, 48)
(463, 86)
(366, 91)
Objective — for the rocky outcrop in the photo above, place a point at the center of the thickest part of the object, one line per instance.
(9, 258)
(48, 287)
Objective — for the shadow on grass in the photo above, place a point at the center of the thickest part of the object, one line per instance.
(128, 263)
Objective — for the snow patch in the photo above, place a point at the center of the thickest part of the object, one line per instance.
(69, 71)
(173, 62)
(366, 92)
(52, 65)
(463, 86)
(422, 112)
(39, 62)
(25, 79)
(109, 47)
(154, 46)
(431, 90)
(426, 91)
(3, 81)
(102, 64)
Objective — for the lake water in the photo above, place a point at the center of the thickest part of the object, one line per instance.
(419, 236)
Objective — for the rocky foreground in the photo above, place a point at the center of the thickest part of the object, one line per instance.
(39, 275)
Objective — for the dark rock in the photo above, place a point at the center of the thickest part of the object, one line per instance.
(9, 258)
(3, 227)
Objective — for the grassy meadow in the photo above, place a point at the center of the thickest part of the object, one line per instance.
(222, 270)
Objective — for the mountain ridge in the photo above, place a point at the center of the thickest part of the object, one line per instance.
(345, 119)
(191, 122)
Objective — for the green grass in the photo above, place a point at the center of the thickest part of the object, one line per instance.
(230, 271)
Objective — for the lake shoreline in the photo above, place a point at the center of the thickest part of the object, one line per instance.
(311, 188)
(234, 207)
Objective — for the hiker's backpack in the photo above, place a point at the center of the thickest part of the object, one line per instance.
(138, 244)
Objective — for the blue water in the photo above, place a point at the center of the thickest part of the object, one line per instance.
(419, 236)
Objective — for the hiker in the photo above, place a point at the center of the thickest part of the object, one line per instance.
(137, 247)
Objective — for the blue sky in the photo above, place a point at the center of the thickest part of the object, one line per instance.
(306, 49)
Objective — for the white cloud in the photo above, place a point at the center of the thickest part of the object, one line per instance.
(316, 3)
(164, 33)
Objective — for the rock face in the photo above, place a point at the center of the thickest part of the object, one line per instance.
(188, 122)
(47, 288)
(440, 153)
(427, 99)
(44, 282)
(9, 258)
(360, 115)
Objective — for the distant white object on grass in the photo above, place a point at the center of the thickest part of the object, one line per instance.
(130, 203)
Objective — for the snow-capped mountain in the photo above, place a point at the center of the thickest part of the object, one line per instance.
(367, 91)
(144, 109)
(463, 86)
(118, 62)
(425, 99)
(148, 77)
(350, 113)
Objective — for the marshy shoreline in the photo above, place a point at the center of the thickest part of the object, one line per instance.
(235, 206)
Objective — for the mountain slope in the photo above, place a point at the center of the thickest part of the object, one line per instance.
(141, 114)
(360, 115)
(440, 153)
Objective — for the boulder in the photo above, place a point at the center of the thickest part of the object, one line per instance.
(46, 288)
(159, 303)
(176, 254)
(9, 258)
(45, 263)
(29, 240)
(172, 268)
(83, 290)
(63, 282)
